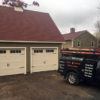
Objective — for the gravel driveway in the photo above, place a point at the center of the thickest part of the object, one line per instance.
(45, 86)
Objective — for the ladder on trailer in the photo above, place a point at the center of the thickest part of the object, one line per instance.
(85, 53)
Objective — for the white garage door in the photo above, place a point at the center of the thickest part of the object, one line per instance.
(44, 59)
(12, 61)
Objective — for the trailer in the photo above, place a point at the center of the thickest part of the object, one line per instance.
(79, 65)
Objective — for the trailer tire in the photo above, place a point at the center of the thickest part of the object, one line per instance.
(72, 78)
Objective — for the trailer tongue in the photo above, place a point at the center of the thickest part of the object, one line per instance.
(78, 66)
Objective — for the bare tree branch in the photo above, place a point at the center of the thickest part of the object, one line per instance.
(97, 26)
(18, 3)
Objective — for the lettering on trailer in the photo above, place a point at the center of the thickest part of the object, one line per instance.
(88, 72)
(72, 66)
(76, 63)
(73, 63)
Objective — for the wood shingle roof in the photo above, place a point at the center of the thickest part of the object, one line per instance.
(27, 26)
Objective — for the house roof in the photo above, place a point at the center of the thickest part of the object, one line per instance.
(27, 26)
(70, 36)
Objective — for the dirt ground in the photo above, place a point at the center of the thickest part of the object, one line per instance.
(45, 86)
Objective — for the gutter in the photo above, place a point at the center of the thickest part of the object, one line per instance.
(29, 41)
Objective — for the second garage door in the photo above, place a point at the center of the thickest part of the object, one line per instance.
(12, 61)
(44, 59)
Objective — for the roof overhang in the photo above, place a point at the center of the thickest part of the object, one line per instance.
(30, 41)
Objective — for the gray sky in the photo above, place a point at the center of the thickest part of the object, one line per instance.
(80, 14)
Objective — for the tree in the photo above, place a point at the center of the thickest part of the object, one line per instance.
(97, 25)
(97, 34)
(18, 3)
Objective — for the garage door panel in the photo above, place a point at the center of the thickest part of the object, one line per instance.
(36, 68)
(13, 62)
(44, 61)
(45, 68)
(15, 65)
(3, 66)
(11, 72)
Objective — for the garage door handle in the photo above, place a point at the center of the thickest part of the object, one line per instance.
(44, 62)
(8, 65)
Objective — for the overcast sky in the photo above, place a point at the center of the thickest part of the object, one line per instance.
(80, 14)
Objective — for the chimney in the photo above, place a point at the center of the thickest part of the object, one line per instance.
(72, 30)
(19, 9)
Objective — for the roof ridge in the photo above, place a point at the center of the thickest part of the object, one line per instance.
(25, 10)
(73, 35)
(74, 32)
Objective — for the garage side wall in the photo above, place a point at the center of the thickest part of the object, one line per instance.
(28, 45)
(67, 44)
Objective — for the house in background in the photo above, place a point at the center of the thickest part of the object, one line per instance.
(80, 39)
(29, 41)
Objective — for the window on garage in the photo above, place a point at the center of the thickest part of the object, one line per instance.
(2, 51)
(38, 51)
(15, 51)
(49, 50)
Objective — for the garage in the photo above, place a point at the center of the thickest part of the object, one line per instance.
(29, 42)
(44, 59)
(12, 60)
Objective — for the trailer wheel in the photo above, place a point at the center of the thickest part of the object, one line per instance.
(72, 78)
